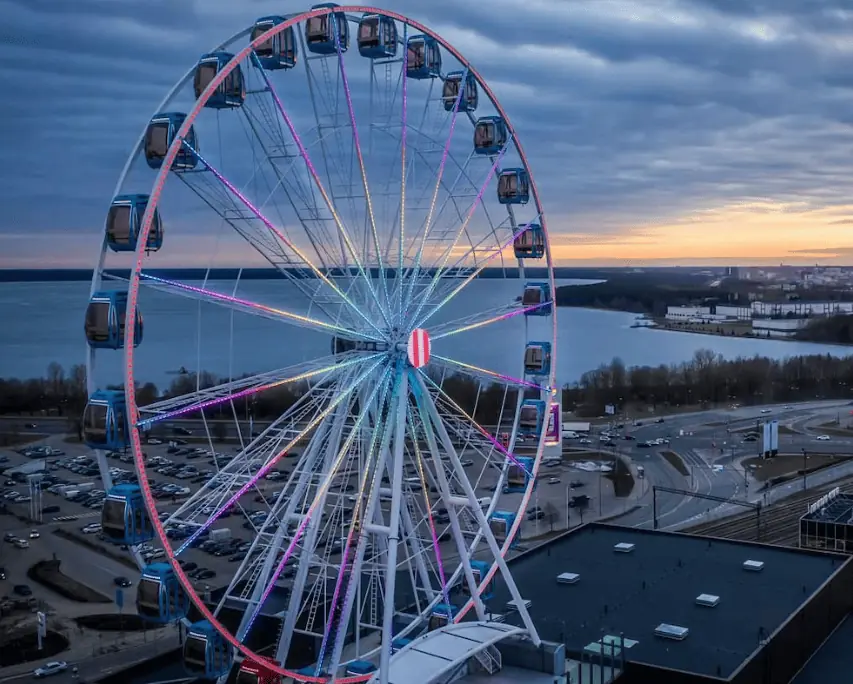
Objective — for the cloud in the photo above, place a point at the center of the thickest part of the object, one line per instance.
(638, 117)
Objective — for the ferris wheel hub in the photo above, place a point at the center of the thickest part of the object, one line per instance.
(418, 348)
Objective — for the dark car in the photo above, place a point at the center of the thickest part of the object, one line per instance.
(122, 582)
(22, 590)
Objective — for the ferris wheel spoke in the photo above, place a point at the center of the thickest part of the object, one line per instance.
(483, 319)
(330, 205)
(341, 395)
(249, 307)
(319, 499)
(281, 236)
(477, 200)
(481, 373)
(474, 273)
(211, 397)
(439, 176)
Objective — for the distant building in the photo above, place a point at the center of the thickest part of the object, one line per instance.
(778, 327)
(733, 272)
(688, 313)
(737, 313)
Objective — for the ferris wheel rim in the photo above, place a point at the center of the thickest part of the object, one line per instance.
(134, 281)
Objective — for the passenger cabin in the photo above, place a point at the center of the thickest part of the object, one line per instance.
(490, 135)
(513, 186)
(531, 418)
(500, 523)
(399, 644)
(258, 672)
(360, 667)
(278, 52)
(206, 653)
(443, 614)
(124, 221)
(105, 421)
(479, 569)
(450, 91)
(423, 58)
(537, 358)
(519, 473)
(377, 37)
(231, 92)
(160, 598)
(105, 321)
(159, 136)
(320, 31)
(124, 518)
(530, 244)
(553, 429)
(537, 295)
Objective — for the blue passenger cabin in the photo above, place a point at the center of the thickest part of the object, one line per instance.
(450, 91)
(531, 418)
(479, 569)
(159, 136)
(442, 615)
(377, 37)
(105, 321)
(124, 221)
(160, 598)
(424, 57)
(519, 473)
(537, 295)
(490, 135)
(360, 667)
(278, 52)
(231, 92)
(399, 644)
(320, 31)
(105, 421)
(124, 518)
(513, 186)
(206, 653)
(530, 244)
(553, 429)
(537, 358)
(500, 523)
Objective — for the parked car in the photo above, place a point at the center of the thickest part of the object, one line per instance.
(52, 668)
(122, 582)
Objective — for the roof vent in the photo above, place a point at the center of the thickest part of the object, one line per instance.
(707, 600)
(512, 605)
(568, 578)
(624, 547)
(753, 565)
(671, 631)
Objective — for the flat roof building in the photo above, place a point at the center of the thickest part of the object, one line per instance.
(690, 609)
(828, 523)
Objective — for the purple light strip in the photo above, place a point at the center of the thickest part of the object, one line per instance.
(485, 371)
(477, 272)
(479, 427)
(440, 175)
(360, 157)
(281, 236)
(403, 137)
(218, 296)
(515, 312)
(275, 459)
(462, 228)
(313, 507)
(329, 204)
(201, 406)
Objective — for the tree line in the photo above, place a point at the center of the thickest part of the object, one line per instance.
(705, 380)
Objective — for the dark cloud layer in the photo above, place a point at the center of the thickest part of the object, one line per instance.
(632, 112)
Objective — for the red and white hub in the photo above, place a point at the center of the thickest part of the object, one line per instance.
(418, 348)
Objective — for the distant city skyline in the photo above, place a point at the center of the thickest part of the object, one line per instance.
(685, 132)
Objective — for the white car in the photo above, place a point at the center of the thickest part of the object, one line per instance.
(766, 411)
(823, 438)
(51, 668)
(91, 528)
(553, 480)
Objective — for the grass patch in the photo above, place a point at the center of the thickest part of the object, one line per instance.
(47, 573)
(676, 462)
(108, 550)
(22, 646)
(112, 622)
(786, 466)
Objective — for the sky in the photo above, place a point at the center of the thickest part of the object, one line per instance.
(660, 132)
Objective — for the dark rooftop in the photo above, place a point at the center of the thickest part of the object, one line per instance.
(834, 661)
(837, 510)
(658, 582)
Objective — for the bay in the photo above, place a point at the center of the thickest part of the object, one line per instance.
(43, 322)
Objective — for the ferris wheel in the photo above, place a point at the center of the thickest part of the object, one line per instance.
(366, 487)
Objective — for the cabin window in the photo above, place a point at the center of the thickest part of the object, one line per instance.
(118, 224)
(148, 593)
(529, 417)
(96, 424)
(112, 514)
(265, 48)
(535, 357)
(204, 74)
(98, 322)
(234, 83)
(416, 55)
(483, 136)
(368, 32)
(532, 295)
(389, 35)
(516, 475)
(195, 650)
(157, 140)
(316, 30)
